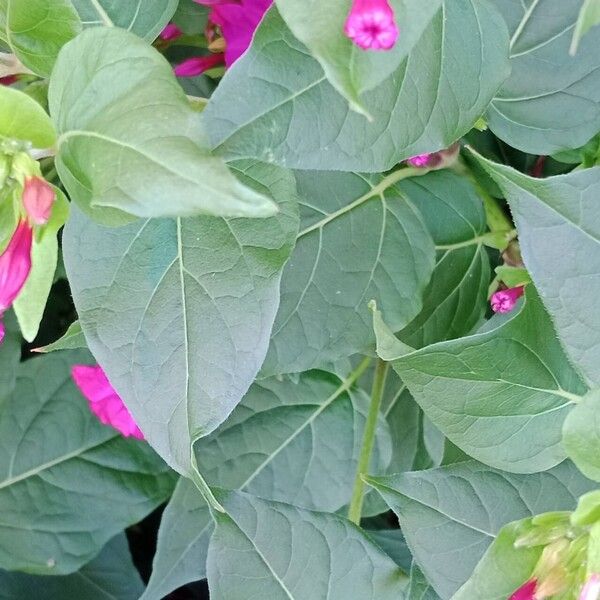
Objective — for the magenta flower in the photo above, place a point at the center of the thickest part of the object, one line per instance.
(197, 65)
(238, 21)
(170, 32)
(15, 265)
(504, 301)
(591, 589)
(371, 25)
(526, 591)
(104, 402)
(38, 198)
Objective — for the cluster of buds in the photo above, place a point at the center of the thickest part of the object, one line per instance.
(568, 567)
(32, 200)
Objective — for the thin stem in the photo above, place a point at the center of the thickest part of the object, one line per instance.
(204, 488)
(358, 493)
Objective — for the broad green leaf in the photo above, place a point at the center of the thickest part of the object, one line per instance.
(456, 297)
(296, 118)
(559, 234)
(501, 395)
(182, 547)
(350, 69)
(294, 442)
(129, 140)
(392, 542)
(551, 101)
(191, 17)
(450, 515)
(31, 301)
(179, 312)
(277, 551)
(109, 576)
(420, 589)
(145, 18)
(10, 355)
(22, 118)
(56, 454)
(589, 16)
(581, 435)
(502, 570)
(73, 339)
(291, 441)
(360, 239)
(36, 30)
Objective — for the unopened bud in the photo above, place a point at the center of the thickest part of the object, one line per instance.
(38, 198)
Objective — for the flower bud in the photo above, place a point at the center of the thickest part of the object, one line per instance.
(435, 160)
(15, 265)
(38, 198)
(591, 589)
(526, 591)
(504, 301)
(170, 32)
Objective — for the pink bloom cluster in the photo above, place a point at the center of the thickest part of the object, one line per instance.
(104, 401)
(504, 301)
(371, 25)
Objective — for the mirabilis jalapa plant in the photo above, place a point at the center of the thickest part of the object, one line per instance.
(333, 270)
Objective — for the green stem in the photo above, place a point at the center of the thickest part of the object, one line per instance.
(204, 488)
(358, 493)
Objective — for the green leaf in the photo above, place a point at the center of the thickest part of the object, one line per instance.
(183, 537)
(360, 239)
(551, 101)
(10, 355)
(581, 435)
(36, 30)
(22, 118)
(450, 515)
(502, 394)
(191, 17)
(419, 586)
(179, 312)
(31, 301)
(349, 69)
(512, 276)
(56, 454)
(559, 236)
(502, 569)
(455, 300)
(293, 441)
(296, 118)
(129, 139)
(392, 542)
(73, 339)
(589, 16)
(111, 575)
(145, 18)
(291, 553)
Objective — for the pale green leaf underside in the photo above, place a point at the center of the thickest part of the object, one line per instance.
(36, 30)
(179, 312)
(145, 18)
(277, 551)
(559, 234)
(501, 395)
(357, 242)
(55, 452)
(551, 101)
(296, 118)
(129, 143)
(350, 69)
(451, 514)
(589, 16)
(110, 576)
(22, 118)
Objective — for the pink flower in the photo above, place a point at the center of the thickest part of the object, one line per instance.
(198, 65)
(591, 590)
(15, 265)
(104, 402)
(238, 21)
(526, 591)
(38, 198)
(371, 25)
(504, 301)
(170, 32)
